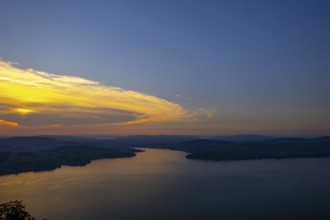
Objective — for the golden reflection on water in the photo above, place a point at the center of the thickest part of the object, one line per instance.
(70, 189)
(163, 184)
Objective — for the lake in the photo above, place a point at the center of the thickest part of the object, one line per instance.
(163, 184)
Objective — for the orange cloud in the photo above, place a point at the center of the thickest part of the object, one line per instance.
(39, 98)
(8, 123)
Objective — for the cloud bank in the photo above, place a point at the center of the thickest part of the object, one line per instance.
(34, 98)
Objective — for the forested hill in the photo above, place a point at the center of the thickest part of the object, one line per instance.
(13, 163)
(24, 154)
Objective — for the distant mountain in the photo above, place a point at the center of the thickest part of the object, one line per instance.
(152, 139)
(42, 143)
(322, 139)
(243, 138)
(31, 144)
(69, 138)
(288, 140)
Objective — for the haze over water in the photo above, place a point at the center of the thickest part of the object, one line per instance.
(163, 184)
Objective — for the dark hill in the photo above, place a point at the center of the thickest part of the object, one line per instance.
(243, 138)
(279, 148)
(151, 139)
(11, 163)
(30, 144)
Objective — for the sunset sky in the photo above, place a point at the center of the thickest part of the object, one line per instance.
(164, 67)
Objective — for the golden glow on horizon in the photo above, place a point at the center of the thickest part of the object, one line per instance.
(33, 93)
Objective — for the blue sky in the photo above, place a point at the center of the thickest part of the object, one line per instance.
(257, 66)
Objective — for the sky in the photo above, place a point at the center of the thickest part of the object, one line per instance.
(165, 67)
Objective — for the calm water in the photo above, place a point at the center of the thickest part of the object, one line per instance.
(162, 184)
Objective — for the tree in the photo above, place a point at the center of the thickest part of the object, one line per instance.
(14, 210)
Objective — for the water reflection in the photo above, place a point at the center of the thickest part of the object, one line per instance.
(162, 184)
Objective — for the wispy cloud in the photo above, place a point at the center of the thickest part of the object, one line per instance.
(32, 100)
(28, 95)
(8, 123)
